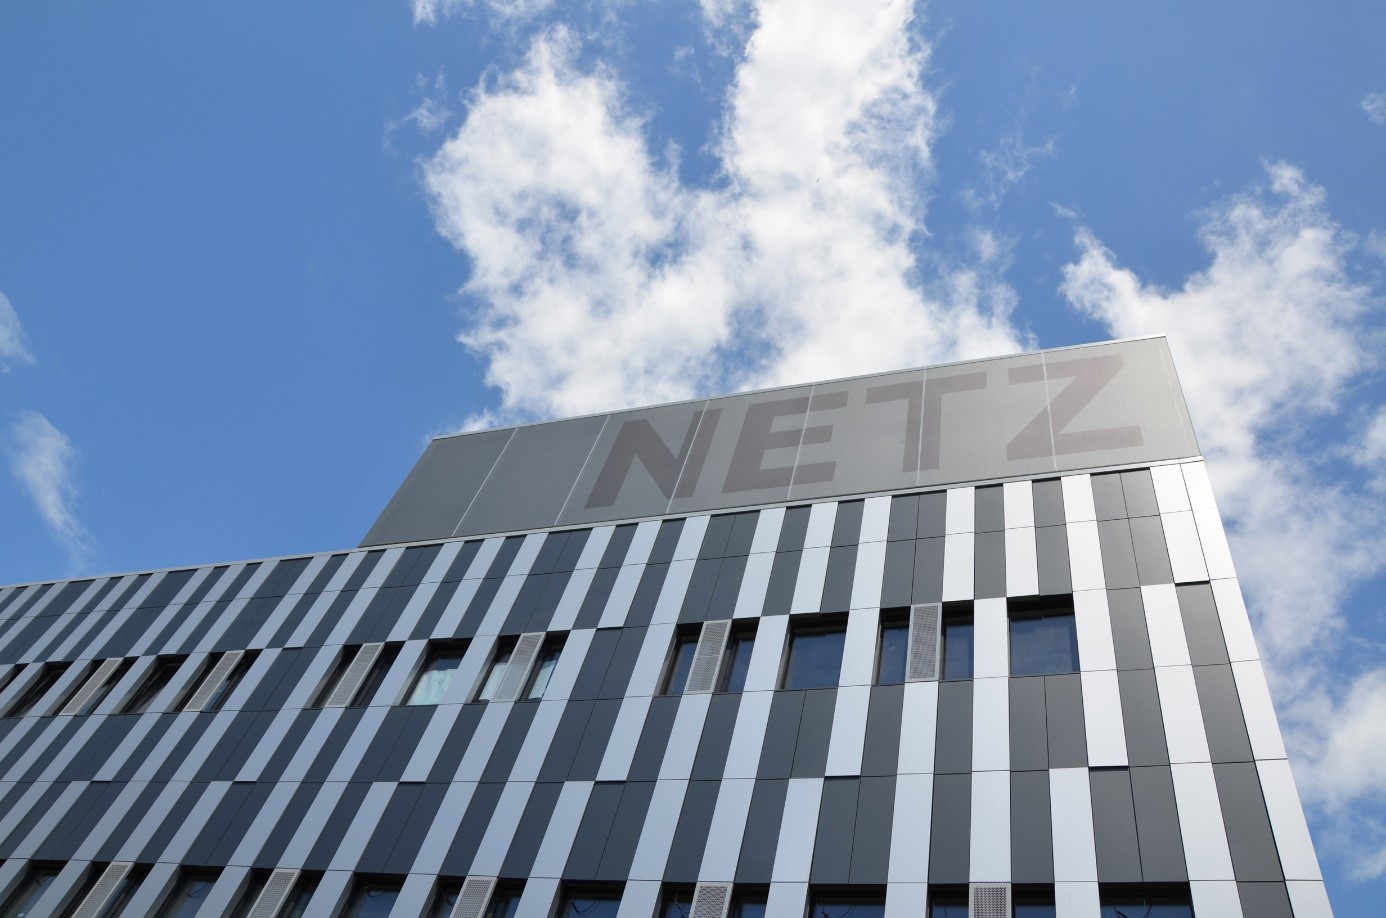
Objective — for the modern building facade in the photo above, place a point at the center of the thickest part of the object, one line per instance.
(951, 641)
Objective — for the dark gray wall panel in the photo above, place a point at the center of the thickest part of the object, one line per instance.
(1157, 824)
(847, 522)
(1032, 837)
(647, 594)
(595, 664)
(933, 513)
(762, 834)
(461, 852)
(1140, 710)
(626, 827)
(598, 593)
(1063, 704)
(953, 737)
(622, 665)
(1222, 714)
(837, 819)
(287, 825)
(743, 534)
(335, 829)
(1118, 556)
(393, 822)
(592, 746)
(698, 597)
(529, 833)
(781, 734)
(904, 517)
(1152, 555)
(881, 749)
(711, 758)
(1265, 900)
(1254, 855)
(815, 731)
(512, 737)
(654, 739)
(1029, 732)
(690, 835)
(716, 536)
(1114, 826)
(1202, 627)
(1048, 497)
(950, 829)
(455, 746)
(1051, 556)
(897, 583)
(988, 513)
(1108, 497)
(597, 819)
(563, 749)
(928, 570)
(837, 583)
(1139, 490)
(871, 836)
(1130, 638)
(989, 564)
(784, 574)
(729, 579)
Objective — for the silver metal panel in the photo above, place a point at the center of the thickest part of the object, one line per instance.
(1070, 813)
(573, 595)
(1182, 714)
(167, 741)
(1261, 726)
(750, 599)
(311, 825)
(625, 735)
(707, 657)
(920, 716)
(1185, 551)
(925, 642)
(562, 830)
(1085, 556)
(958, 580)
(312, 745)
(657, 835)
(767, 534)
(1200, 822)
(906, 900)
(789, 899)
(1168, 645)
(960, 509)
(1103, 721)
(763, 673)
(875, 519)
(691, 538)
(866, 580)
(1236, 624)
(909, 830)
(565, 671)
(431, 743)
(537, 741)
(500, 607)
(1022, 564)
(808, 585)
(991, 719)
(723, 849)
(1215, 551)
(472, 899)
(357, 743)
(483, 741)
(351, 615)
(992, 639)
(1199, 487)
(63, 890)
(644, 678)
(150, 821)
(1078, 500)
(990, 860)
(748, 735)
(798, 829)
(848, 738)
(57, 763)
(1077, 900)
(98, 834)
(331, 894)
(1171, 496)
(1093, 622)
(822, 518)
(622, 593)
(265, 746)
(683, 737)
(1217, 897)
(672, 592)
(467, 680)
(1018, 501)
(639, 899)
(1309, 899)
(26, 847)
(159, 882)
(103, 890)
(1297, 857)
(859, 648)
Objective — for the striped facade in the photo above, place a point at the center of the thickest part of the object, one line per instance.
(1156, 765)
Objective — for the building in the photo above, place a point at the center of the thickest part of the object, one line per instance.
(966, 637)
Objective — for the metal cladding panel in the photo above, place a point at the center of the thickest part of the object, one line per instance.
(1108, 404)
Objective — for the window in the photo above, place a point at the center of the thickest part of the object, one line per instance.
(957, 644)
(815, 654)
(893, 650)
(543, 668)
(748, 905)
(505, 649)
(47, 678)
(1137, 902)
(435, 676)
(736, 660)
(504, 901)
(1032, 902)
(373, 899)
(680, 663)
(947, 903)
(219, 678)
(188, 898)
(1044, 639)
(591, 903)
(678, 902)
(95, 687)
(357, 675)
(848, 906)
(21, 904)
(155, 681)
(289, 889)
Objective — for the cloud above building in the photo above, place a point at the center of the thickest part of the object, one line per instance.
(44, 463)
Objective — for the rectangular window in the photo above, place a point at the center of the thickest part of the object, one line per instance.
(505, 902)
(500, 662)
(373, 899)
(47, 678)
(1044, 638)
(680, 663)
(893, 649)
(815, 654)
(357, 675)
(522, 667)
(678, 902)
(160, 674)
(435, 676)
(750, 904)
(947, 903)
(848, 905)
(222, 693)
(1032, 902)
(1121, 901)
(736, 659)
(591, 903)
(543, 667)
(957, 644)
(92, 690)
(191, 893)
(21, 904)
(219, 677)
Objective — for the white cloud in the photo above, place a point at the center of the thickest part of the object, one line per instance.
(43, 461)
(13, 348)
(1374, 104)
(430, 11)
(1268, 340)
(601, 280)
(1004, 168)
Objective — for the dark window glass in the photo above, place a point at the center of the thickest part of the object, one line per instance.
(155, 681)
(1043, 643)
(736, 661)
(228, 685)
(957, 647)
(543, 669)
(187, 899)
(1138, 904)
(815, 657)
(590, 905)
(47, 678)
(948, 903)
(848, 907)
(21, 904)
(748, 906)
(894, 649)
(373, 899)
(366, 693)
(505, 903)
(679, 664)
(297, 904)
(678, 903)
(499, 664)
(1033, 903)
(445, 901)
(435, 677)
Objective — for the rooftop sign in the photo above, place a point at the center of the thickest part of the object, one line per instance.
(1054, 411)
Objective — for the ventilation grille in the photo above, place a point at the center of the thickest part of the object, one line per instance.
(471, 901)
(275, 893)
(710, 900)
(215, 677)
(103, 890)
(526, 649)
(990, 900)
(95, 682)
(702, 676)
(925, 622)
(350, 683)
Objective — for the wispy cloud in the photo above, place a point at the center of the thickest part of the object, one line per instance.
(44, 461)
(1269, 340)
(600, 279)
(13, 347)
(430, 11)
(1005, 167)
(1374, 104)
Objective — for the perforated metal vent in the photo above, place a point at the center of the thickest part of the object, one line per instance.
(476, 893)
(105, 888)
(89, 688)
(526, 649)
(926, 620)
(710, 900)
(276, 892)
(702, 676)
(990, 900)
(356, 672)
(215, 677)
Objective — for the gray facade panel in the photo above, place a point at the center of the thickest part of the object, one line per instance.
(1114, 826)
(1249, 836)
(1032, 838)
(1157, 823)
(950, 828)
(953, 736)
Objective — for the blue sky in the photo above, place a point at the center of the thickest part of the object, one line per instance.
(253, 255)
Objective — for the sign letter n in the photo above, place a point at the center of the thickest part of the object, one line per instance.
(638, 440)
